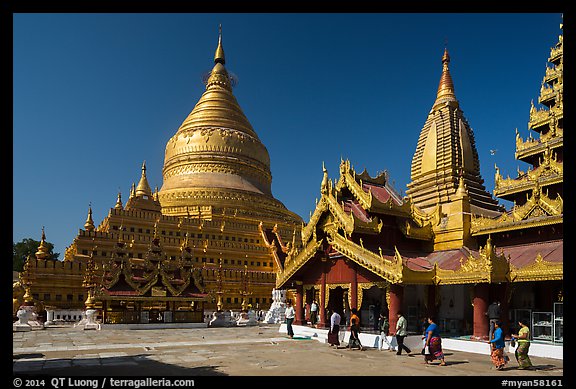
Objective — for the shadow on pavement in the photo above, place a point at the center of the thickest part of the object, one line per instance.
(134, 365)
(26, 356)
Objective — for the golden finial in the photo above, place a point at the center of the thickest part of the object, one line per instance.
(461, 191)
(133, 190)
(324, 184)
(89, 225)
(219, 55)
(42, 252)
(143, 188)
(119, 201)
(446, 85)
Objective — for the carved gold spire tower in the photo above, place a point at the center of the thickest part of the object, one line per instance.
(216, 160)
(445, 151)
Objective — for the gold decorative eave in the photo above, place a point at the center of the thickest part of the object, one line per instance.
(348, 181)
(509, 187)
(291, 266)
(549, 171)
(540, 270)
(541, 116)
(366, 199)
(517, 225)
(556, 52)
(539, 210)
(548, 92)
(554, 73)
(535, 146)
(167, 281)
(391, 271)
(307, 231)
(415, 232)
(488, 267)
(272, 249)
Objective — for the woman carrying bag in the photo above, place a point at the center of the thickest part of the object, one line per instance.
(433, 345)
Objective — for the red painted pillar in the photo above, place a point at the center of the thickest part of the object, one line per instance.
(354, 289)
(395, 305)
(480, 301)
(298, 307)
(322, 303)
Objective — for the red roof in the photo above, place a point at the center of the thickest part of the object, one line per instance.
(381, 193)
(525, 254)
(357, 210)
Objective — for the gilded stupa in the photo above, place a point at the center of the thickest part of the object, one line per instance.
(446, 151)
(207, 239)
(216, 161)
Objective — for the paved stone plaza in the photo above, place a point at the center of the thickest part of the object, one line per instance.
(248, 351)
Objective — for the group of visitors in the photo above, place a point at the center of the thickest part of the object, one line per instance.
(497, 343)
(431, 340)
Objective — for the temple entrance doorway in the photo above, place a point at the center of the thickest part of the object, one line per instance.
(373, 303)
(336, 302)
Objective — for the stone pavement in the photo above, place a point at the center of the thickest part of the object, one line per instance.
(245, 351)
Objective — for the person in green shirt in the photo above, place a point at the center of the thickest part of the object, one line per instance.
(523, 340)
(384, 326)
(401, 333)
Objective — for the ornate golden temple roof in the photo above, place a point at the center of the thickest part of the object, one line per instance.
(216, 158)
(445, 151)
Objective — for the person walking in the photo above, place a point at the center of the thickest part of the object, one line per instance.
(384, 327)
(523, 340)
(401, 333)
(290, 314)
(497, 355)
(493, 316)
(355, 335)
(333, 333)
(354, 315)
(433, 343)
(313, 312)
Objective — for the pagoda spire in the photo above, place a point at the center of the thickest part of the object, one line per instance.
(446, 85)
(89, 225)
(119, 204)
(446, 160)
(143, 188)
(219, 55)
(43, 251)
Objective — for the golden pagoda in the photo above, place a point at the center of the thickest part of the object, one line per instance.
(447, 248)
(207, 234)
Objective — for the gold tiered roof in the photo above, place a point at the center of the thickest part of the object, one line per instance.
(445, 151)
(536, 193)
(216, 159)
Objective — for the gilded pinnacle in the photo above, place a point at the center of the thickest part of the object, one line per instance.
(446, 85)
(89, 225)
(219, 55)
(143, 188)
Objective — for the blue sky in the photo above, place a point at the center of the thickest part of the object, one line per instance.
(95, 95)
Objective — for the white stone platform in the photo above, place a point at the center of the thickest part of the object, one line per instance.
(414, 342)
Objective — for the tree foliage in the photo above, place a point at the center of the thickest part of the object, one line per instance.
(26, 247)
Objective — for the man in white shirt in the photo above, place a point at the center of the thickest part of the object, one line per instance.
(401, 332)
(333, 339)
(290, 314)
(313, 313)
